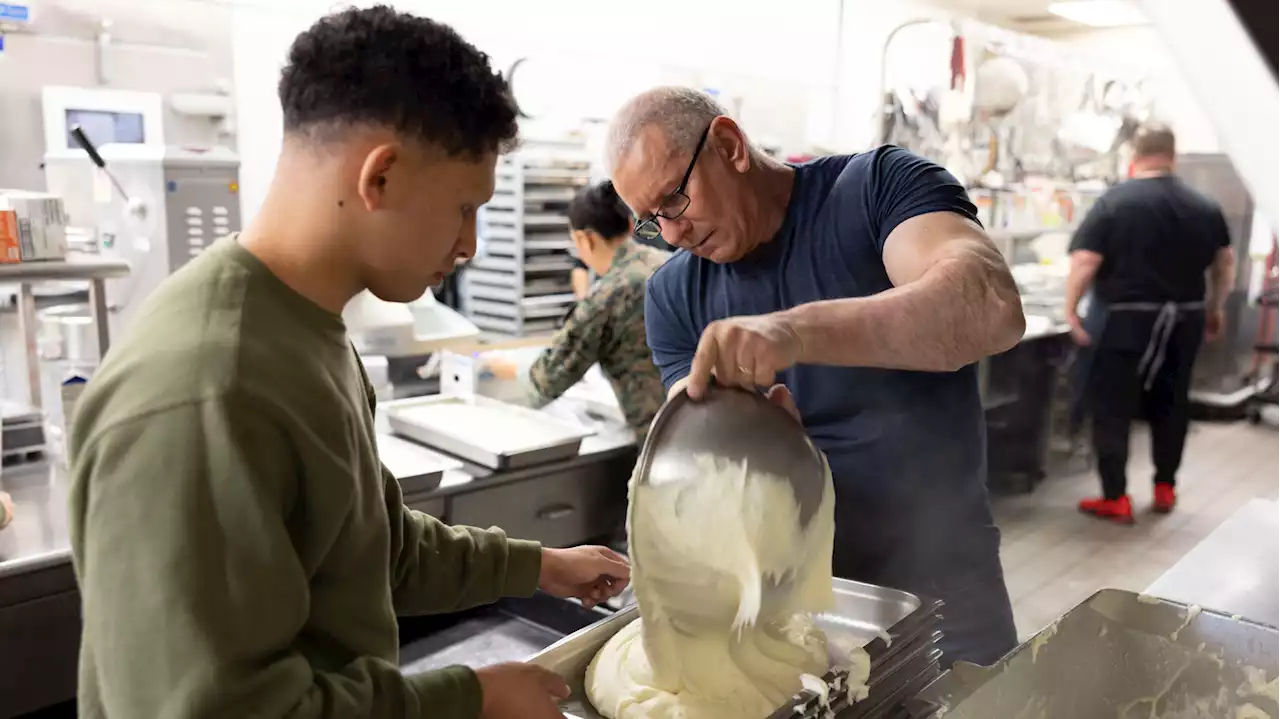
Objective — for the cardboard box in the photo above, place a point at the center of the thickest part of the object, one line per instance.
(10, 250)
(39, 223)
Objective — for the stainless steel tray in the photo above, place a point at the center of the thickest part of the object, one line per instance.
(893, 705)
(898, 672)
(507, 631)
(863, 611)
(485, 431)
(1118, 655)
(415, 467)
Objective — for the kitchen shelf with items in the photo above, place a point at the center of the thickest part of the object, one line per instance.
(520, 284)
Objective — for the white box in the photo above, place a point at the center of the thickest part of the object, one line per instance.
(41, 224)
(459, 373)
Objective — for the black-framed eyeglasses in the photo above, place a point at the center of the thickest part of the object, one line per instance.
(673, 205)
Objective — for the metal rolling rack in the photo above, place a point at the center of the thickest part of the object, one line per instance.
(521, 285)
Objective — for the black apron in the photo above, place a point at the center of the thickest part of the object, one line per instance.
(1164, 316)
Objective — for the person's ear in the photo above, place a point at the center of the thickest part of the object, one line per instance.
(373, 175)
(731, 143)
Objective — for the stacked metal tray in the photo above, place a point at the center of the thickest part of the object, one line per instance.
(904, 658)
(898, 630)
(1123, 655)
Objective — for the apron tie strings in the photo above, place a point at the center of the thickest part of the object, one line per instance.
(1167, 314)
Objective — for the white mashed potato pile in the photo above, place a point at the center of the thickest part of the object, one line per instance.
(726, 579)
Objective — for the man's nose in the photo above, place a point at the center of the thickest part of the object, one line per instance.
(673, 231)
(466, 247)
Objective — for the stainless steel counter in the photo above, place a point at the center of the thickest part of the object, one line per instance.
(1234, 569)
(38, 535)
(1041, 326)
(39, 602)
(38, 538)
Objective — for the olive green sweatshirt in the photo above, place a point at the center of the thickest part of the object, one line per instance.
(241, 551)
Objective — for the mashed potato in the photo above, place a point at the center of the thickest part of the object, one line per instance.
(726, 580)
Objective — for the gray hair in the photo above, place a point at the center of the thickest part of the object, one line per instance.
(681, 113)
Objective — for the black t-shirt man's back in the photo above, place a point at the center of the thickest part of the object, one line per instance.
(1157, 236)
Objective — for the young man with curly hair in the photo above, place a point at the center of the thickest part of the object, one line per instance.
(240, 549)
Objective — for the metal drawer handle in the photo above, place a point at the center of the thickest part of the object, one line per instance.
(556, 511)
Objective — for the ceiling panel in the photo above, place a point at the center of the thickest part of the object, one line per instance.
(1029, 16)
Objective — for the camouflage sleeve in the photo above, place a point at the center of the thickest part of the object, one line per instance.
(574, 349)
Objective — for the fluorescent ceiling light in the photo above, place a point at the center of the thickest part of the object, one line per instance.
(1099, 13)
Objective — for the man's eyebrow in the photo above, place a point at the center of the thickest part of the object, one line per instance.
(662, 200)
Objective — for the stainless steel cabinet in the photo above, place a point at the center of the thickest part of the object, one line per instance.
(561, 510)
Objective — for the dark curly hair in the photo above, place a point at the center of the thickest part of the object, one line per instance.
(599, 208)
(416, 76)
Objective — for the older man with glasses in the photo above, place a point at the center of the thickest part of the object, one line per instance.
(858, 291)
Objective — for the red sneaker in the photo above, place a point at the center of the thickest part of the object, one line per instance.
(1117, 510)
(1166, 498)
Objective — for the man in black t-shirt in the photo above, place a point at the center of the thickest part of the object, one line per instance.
(1144, 249)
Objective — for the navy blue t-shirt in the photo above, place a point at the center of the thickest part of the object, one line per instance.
(907, 449)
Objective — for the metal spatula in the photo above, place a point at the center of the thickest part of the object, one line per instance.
(737, 425)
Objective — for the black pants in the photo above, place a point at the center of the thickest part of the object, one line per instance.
(1116, 395)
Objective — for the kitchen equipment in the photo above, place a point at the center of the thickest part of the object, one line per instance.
(739, 426)
(484, 431)
(67, 332)
(897, 629)
(520, 285)
(1122, 655)
(23, 431)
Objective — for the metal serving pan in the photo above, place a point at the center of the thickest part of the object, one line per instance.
(485, 431)
(506, 631)
(415, 467)
(863, 611)
(1121, 655)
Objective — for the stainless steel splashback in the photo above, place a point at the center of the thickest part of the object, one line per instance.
(1221, 365)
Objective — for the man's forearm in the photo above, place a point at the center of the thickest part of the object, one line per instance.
(963, 309)
(1222, 276)
(1077, 283)
(1083, 269)
(436, 568)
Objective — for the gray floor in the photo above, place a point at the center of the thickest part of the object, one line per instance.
(1055, 557)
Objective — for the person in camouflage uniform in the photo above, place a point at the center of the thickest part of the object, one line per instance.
(608, 325)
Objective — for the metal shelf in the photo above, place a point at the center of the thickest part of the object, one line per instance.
(521, 285)
(94, 270)
(70, 269)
